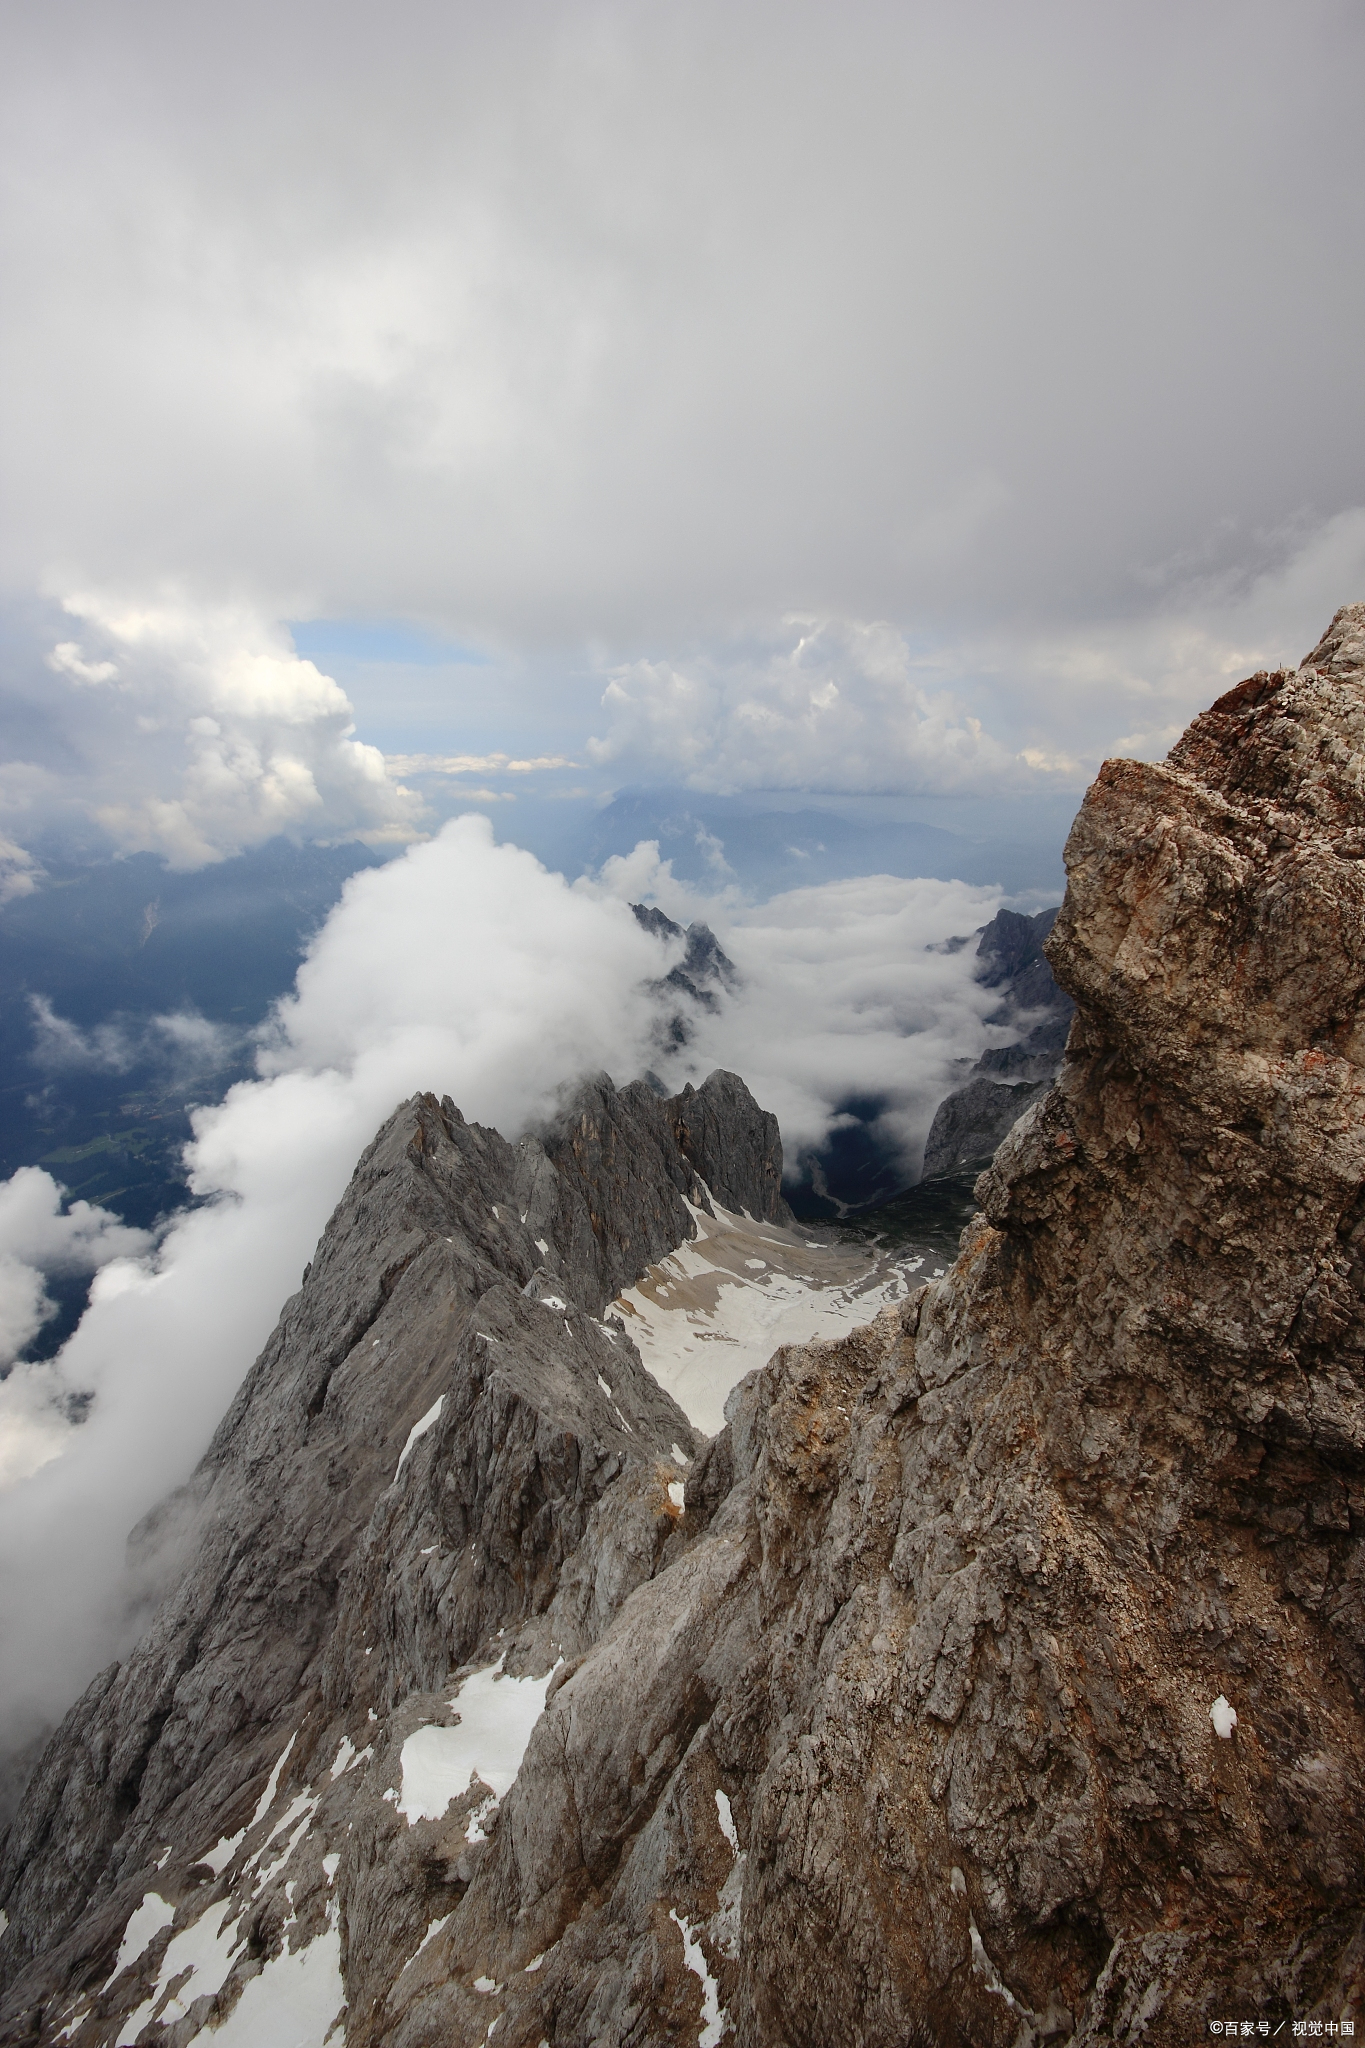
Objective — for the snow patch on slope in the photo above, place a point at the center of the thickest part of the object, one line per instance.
(418, 1431)
(714, 1310)
(715, 2021)
(144, 1924)
(497, 1714)
(207, 1953)
(267, 1798)
(296, 2002)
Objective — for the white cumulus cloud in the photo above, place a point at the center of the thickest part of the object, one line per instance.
(833, 704)
(199, 732)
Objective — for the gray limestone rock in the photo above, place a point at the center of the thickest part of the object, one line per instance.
(737, 1154)
(406, 1472)
(970, 1123)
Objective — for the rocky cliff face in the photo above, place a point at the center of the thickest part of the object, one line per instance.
(996, 1090)
(993, 1677)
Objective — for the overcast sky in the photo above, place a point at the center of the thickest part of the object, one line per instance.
(898, 397)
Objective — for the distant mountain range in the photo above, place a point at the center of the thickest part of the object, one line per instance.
(97, 1092)
(716, 839)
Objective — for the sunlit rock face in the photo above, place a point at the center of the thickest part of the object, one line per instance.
(993, 1676)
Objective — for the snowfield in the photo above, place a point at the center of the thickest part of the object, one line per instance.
(720, 1305)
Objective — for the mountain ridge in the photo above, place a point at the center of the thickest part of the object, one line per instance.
(441, 1220)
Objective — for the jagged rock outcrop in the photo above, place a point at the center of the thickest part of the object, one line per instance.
(701, 977)
(738, 1154)
(1000, 1677)
(455, 1293)
(1006, 1080)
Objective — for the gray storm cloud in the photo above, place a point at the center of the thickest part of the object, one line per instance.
(1032, 331)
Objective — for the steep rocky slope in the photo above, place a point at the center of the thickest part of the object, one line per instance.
(993, 1677)
(918, 1742)
(454, 1295)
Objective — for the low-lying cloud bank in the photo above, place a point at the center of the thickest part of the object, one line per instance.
(845, 996)
(464, 967)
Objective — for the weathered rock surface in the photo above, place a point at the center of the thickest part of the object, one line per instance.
(899, 1732)
(327, 1580)
(1006, 1080)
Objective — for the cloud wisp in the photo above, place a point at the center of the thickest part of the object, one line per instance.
(178, 1048)
(472, 764)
